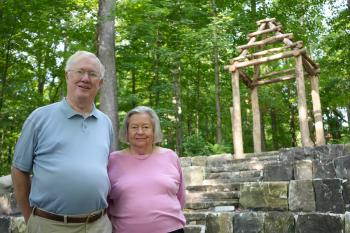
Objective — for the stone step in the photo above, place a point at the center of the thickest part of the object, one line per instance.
(273, 221)
(265, 156)
(238, 179)
(12, 224)
(232, 186)
(194, 229)
(213, 195)
(243, 166)
(320, 195)
(199, 204)
(234, 175)
(195, 217)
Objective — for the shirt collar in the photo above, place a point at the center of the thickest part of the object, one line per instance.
(70, 112)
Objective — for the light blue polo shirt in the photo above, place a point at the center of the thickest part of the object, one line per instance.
(68, 155)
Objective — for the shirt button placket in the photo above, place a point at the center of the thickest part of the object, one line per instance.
(84, 126)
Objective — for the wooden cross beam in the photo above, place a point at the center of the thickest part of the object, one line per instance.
(274, 80)
(269, 40)
(266, 59)
(264, 31)
(298, 44)
(269, 75)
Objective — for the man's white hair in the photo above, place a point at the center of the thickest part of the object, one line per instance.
(72, 59)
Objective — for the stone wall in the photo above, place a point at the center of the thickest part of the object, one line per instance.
(296, 190)
(10, 217)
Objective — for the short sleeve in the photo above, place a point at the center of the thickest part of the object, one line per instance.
(25, 147)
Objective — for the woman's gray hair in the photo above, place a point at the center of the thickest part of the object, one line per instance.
(72, 59)
(123, 133)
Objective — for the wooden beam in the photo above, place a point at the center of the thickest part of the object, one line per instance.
(236, 117)
(288, 42)
(269, 75)
(274, 80)
(298, 44)
(317, 110)
(266, 59)
(256, 113)
(252, 40)
(258, 54)
(266, 52)
(245, 78)
(273, 24)
(245, 51)
(302, 106)
(265, 21)
(307, 58)
(269, 40)
(308, 68)
(264, 31)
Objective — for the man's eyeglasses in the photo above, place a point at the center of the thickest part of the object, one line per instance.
(81, 74)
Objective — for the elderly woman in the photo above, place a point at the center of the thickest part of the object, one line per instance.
(147, 188)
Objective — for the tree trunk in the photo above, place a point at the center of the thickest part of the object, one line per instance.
(106, 53)
(177, 103)
(217, 81)
(292, 127)
(263, 136)
(41, 78)
(4, 75)
(156, 72)
(189, 122)
(217, 94)
(274, 123)
(3, 81)
(133, 87)
(253, 8)
(198, 98)
(292, 123)
(348, 111)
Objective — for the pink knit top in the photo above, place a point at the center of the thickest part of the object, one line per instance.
(147, 192)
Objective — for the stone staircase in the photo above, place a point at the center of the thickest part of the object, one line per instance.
(297, 190)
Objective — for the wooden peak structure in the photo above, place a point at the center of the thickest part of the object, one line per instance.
(265, 46)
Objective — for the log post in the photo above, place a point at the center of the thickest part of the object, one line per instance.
(316, 105)
(236, 117)
(302, 107)
(256, 112)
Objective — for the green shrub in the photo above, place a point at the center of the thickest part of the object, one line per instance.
(219, 149)
(195, 145)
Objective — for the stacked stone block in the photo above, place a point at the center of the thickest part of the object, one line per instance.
(297, 190)
(11, 220)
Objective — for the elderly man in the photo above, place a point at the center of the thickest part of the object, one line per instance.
(66, 146)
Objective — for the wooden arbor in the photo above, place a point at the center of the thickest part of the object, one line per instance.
(274, 45)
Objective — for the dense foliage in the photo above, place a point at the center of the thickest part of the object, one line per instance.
(170, 55)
